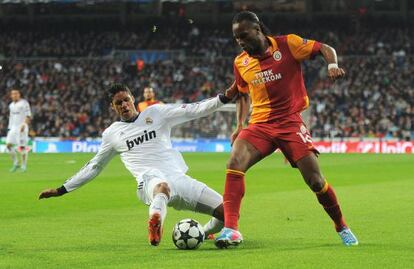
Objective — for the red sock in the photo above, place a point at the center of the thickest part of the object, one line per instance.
(327, 198)
(233, 194)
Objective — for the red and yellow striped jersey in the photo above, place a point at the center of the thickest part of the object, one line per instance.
(144, 104)
(275, 81)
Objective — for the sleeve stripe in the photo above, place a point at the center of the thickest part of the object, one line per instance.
(316, 48)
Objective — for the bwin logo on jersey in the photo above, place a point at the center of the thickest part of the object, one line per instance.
(140, 139)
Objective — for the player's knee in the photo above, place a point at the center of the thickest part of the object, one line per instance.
(315, 182)
(232, 163)
(162, 188)
(236, 162)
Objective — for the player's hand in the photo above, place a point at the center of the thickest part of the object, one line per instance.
(22, 128)
(235, 134)
(49, 193)
(232, 91)
(335, 73)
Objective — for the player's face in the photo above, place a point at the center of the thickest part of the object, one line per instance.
(15, 95)
(247, 35)
(123, 104)
(148, 94)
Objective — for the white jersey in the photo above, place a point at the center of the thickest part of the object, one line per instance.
(145, 143)
(18, 112)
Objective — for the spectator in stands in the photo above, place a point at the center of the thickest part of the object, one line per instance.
(375, 100)
(149, 99)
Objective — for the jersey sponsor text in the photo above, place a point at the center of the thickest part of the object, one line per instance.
(141, 139)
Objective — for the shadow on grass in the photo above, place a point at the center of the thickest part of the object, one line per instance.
(255, 245)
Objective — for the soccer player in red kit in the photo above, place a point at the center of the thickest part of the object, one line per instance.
(149, 99)
(269, 72)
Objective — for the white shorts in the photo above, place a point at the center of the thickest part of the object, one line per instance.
(15, 137)
(186, 193)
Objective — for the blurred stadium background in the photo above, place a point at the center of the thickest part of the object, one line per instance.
(63, 54)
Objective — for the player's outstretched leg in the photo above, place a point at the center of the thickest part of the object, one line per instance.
(157, 213)
(243, 156)
(210, 202)
(326, 196)
(13, 156)
(233, 194)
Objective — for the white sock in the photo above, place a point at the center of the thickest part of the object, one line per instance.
(213, 226)
(159, 205)
(24, 155)
(13, 155)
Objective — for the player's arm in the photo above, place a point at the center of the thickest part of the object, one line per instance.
(86, 174)
(242, 102)
(27, 121)
(242, 111)
(303, 49)
(28, 117)
(329, 54)
(177, 114)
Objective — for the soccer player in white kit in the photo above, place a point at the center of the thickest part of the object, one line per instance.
(144, 144)
(18, 130)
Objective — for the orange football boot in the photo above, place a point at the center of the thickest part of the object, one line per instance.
(154, 229)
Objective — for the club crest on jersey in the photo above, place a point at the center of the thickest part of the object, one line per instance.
(245, 61)
(148, 120)
(277, 55)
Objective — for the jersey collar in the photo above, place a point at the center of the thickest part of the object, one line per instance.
(131, 120)
(269, 52)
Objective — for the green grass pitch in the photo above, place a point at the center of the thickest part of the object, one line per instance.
(104, 225)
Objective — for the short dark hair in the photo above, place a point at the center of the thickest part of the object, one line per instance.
(251, 17)
(115, 88)
(16, 89)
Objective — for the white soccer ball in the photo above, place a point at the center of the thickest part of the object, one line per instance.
(188, 234)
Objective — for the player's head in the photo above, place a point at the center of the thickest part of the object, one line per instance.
(15, 94)
(122, 101)
(248, 31)
(149, 94)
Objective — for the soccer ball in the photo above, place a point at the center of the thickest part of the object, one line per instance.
(188, 234)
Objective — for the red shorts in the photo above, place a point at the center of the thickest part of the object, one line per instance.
(290, 135)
